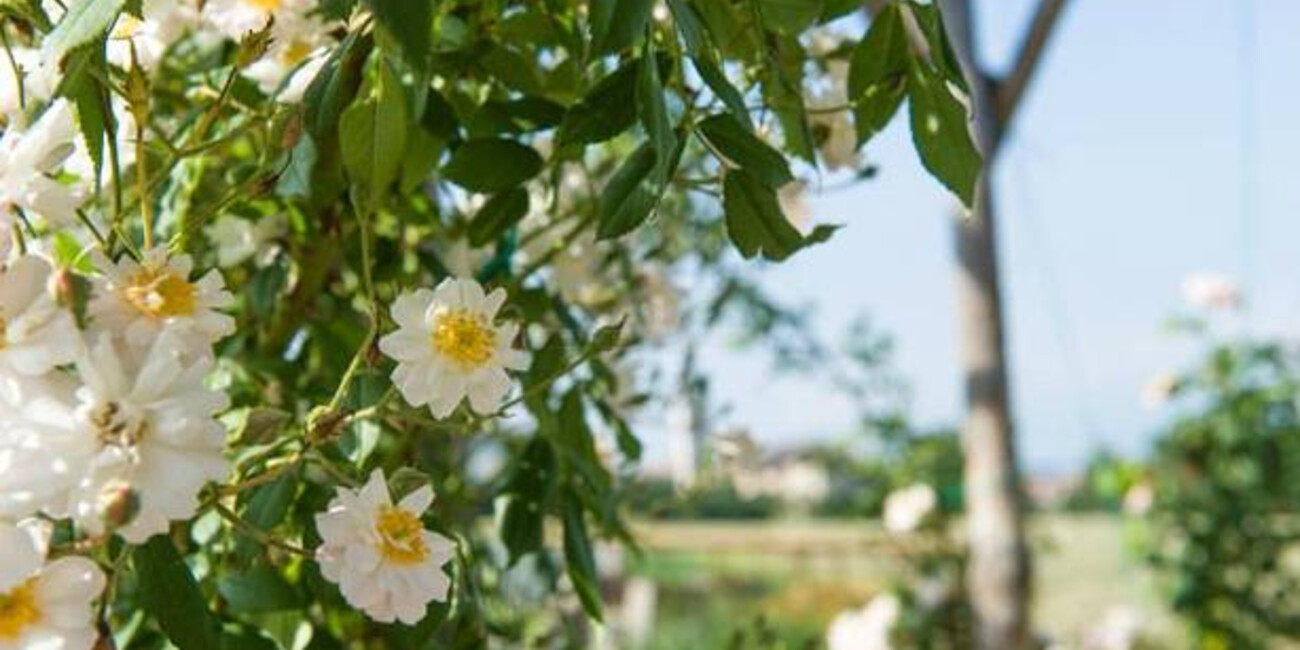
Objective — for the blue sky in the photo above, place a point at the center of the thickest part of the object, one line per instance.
(1157, 140)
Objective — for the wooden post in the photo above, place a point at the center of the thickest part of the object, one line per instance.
(1000, 572)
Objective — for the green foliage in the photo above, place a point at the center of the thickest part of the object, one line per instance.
(510, 142)
(1226, 478)
(169, 593)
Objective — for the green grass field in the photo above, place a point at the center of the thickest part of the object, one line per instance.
(717, 577)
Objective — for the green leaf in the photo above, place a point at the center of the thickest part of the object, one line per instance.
(524, 115)
(618, 24)
(607, 110)
(607, 338)
(878, 73)
(169, 592)
(782, 82)
(790, 17)
(653, 110)
(258, 590)
(941, 130)
(717, 81)
(578, 446)
(85, 21)
(691, 27)
(547, 361)
(411, 24)
(491, 164)
(511, 67)
(497, 215)
(262, 425)
(836, 8)
(581, 562)
(743, 149)
(372, 137)
(82, 84)
(527, 494)
(267, 506)
(754, 219)
(627, 200)
(336, 85)
(930, 19)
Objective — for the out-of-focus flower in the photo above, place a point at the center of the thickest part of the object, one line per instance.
(44, 605)
(302, 77)
(907, 508)
(576, 271)
(139, 300)
(1158, 391)
(297, 36)
(156, 432)
(37, 78)
(238, 239)
(27, 158)
(1139, 499)
(868, 628)
(838, 139)
(1119, 629)
(449, 348)
(660, 303)
(1211, 291)
(36, 334)
(379, 553)
(795, 205)
(147, 38)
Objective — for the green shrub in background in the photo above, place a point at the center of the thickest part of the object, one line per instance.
(1224, 529)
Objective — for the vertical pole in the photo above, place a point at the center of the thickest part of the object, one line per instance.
(999, 570)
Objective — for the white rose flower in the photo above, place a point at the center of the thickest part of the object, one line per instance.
(43, 449)
(44, 605)
(238, 239)
(868, 628)
(795, 205)
(302, 77)
(236, 18)
(1139, 499)
(448, 347)
(576, 271)
(1158, 391)
(380, 555)
(36, 334)
(139, 300)
(37, 83)
(906, 509)
(164, 23)
(1210, 291)
(156, 432)
(27, 158)
(839, 143)
(297, 38)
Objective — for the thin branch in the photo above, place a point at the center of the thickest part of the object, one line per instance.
(261, 536)
(1010, 91)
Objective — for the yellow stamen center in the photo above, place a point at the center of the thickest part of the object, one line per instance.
(265, 5)
(464, 337)
(116, 427)
(401, 536)
(296, 53)
(159, 293)
(18, 610)
(126, 28)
